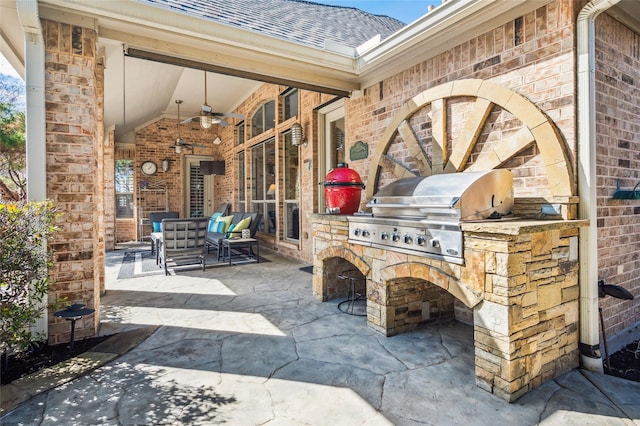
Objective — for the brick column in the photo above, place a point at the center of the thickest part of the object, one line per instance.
(73, 88)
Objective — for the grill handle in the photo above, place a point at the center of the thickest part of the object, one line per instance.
(350, 184)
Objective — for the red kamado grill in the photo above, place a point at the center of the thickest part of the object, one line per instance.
(422, 215)
(342, 189)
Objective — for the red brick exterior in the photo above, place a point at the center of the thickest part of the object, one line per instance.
(618, 160)
(73, 94)
(533, 55)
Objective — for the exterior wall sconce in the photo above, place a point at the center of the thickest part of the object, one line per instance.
(297, 135)
(217, 140)
(165, 165)
(178, 149)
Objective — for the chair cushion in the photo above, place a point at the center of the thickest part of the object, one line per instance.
(213, 219)
(243, 224)
(221, 224)
(157, 226)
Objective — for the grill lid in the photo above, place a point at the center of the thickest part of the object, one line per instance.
(463, 196)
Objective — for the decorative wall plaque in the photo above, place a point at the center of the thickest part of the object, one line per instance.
(359, 151)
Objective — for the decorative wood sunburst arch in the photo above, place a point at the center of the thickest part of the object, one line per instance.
(537, 128)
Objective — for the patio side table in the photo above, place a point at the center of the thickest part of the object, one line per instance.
(237, 243)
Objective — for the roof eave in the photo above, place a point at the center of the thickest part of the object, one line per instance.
(168, 32)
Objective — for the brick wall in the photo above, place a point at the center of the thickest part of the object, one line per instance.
(618, 160)
(73, 90)
(532, 55)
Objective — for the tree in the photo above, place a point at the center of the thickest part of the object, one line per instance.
(24, 270)
(13, 182)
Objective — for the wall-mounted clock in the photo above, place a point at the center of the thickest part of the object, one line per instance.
(149, 168)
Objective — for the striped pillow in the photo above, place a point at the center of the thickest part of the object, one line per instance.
(221, 224)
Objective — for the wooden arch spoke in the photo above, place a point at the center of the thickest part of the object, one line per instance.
(411, 141)
(503, 151)
(469, 136)
(536, 128)
(438, 135)
(394, 167)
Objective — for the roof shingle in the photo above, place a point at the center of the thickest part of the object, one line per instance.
(300, 21)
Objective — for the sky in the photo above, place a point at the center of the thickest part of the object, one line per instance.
(406, 11)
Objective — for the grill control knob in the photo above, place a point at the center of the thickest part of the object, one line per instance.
(434, 243)
(357, 232)
(384, 236)
(421, 241)
(365, 233)
(395, 236)
(408, 239)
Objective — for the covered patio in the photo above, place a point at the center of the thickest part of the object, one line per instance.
(249, 345)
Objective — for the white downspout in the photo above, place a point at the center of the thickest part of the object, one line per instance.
(589, 330)
(35, 115)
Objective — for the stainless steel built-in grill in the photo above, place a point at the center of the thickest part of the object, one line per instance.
(422, 215)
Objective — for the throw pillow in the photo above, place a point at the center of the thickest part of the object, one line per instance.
(157, 226)
(212, 220)
(222, 223)
(243, 224)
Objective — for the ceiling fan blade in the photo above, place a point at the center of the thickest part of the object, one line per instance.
(227, 114)
(189, 120)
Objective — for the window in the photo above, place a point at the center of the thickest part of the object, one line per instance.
(291, 190)
(124, 188)
(240, 133)
(263, 197)
(264, 119)
(290, 101)
(241, 183)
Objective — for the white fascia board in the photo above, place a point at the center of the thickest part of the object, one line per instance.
(166, 26)
(444, 27)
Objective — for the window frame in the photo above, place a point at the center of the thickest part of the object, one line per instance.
(261, 201)
(286, 96)
(290, 204)
(129, 184)
(262, 115)
(240, 133)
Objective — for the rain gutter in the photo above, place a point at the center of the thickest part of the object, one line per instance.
(585, 33)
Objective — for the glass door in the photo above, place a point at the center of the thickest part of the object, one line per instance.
(332, 143)
(199, 189)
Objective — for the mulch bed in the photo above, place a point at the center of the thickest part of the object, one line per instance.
(30, 361)
(626, 362)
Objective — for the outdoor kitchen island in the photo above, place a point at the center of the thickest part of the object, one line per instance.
(517, 286)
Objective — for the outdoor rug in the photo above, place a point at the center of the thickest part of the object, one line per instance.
(143, 264)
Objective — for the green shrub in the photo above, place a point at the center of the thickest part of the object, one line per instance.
(24, 270)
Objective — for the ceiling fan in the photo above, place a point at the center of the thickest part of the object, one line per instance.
(207, 116)
(180, 144)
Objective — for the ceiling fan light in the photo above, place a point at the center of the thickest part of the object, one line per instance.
(205, 121)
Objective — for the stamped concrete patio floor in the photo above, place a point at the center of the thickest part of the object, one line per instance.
(248, 345)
